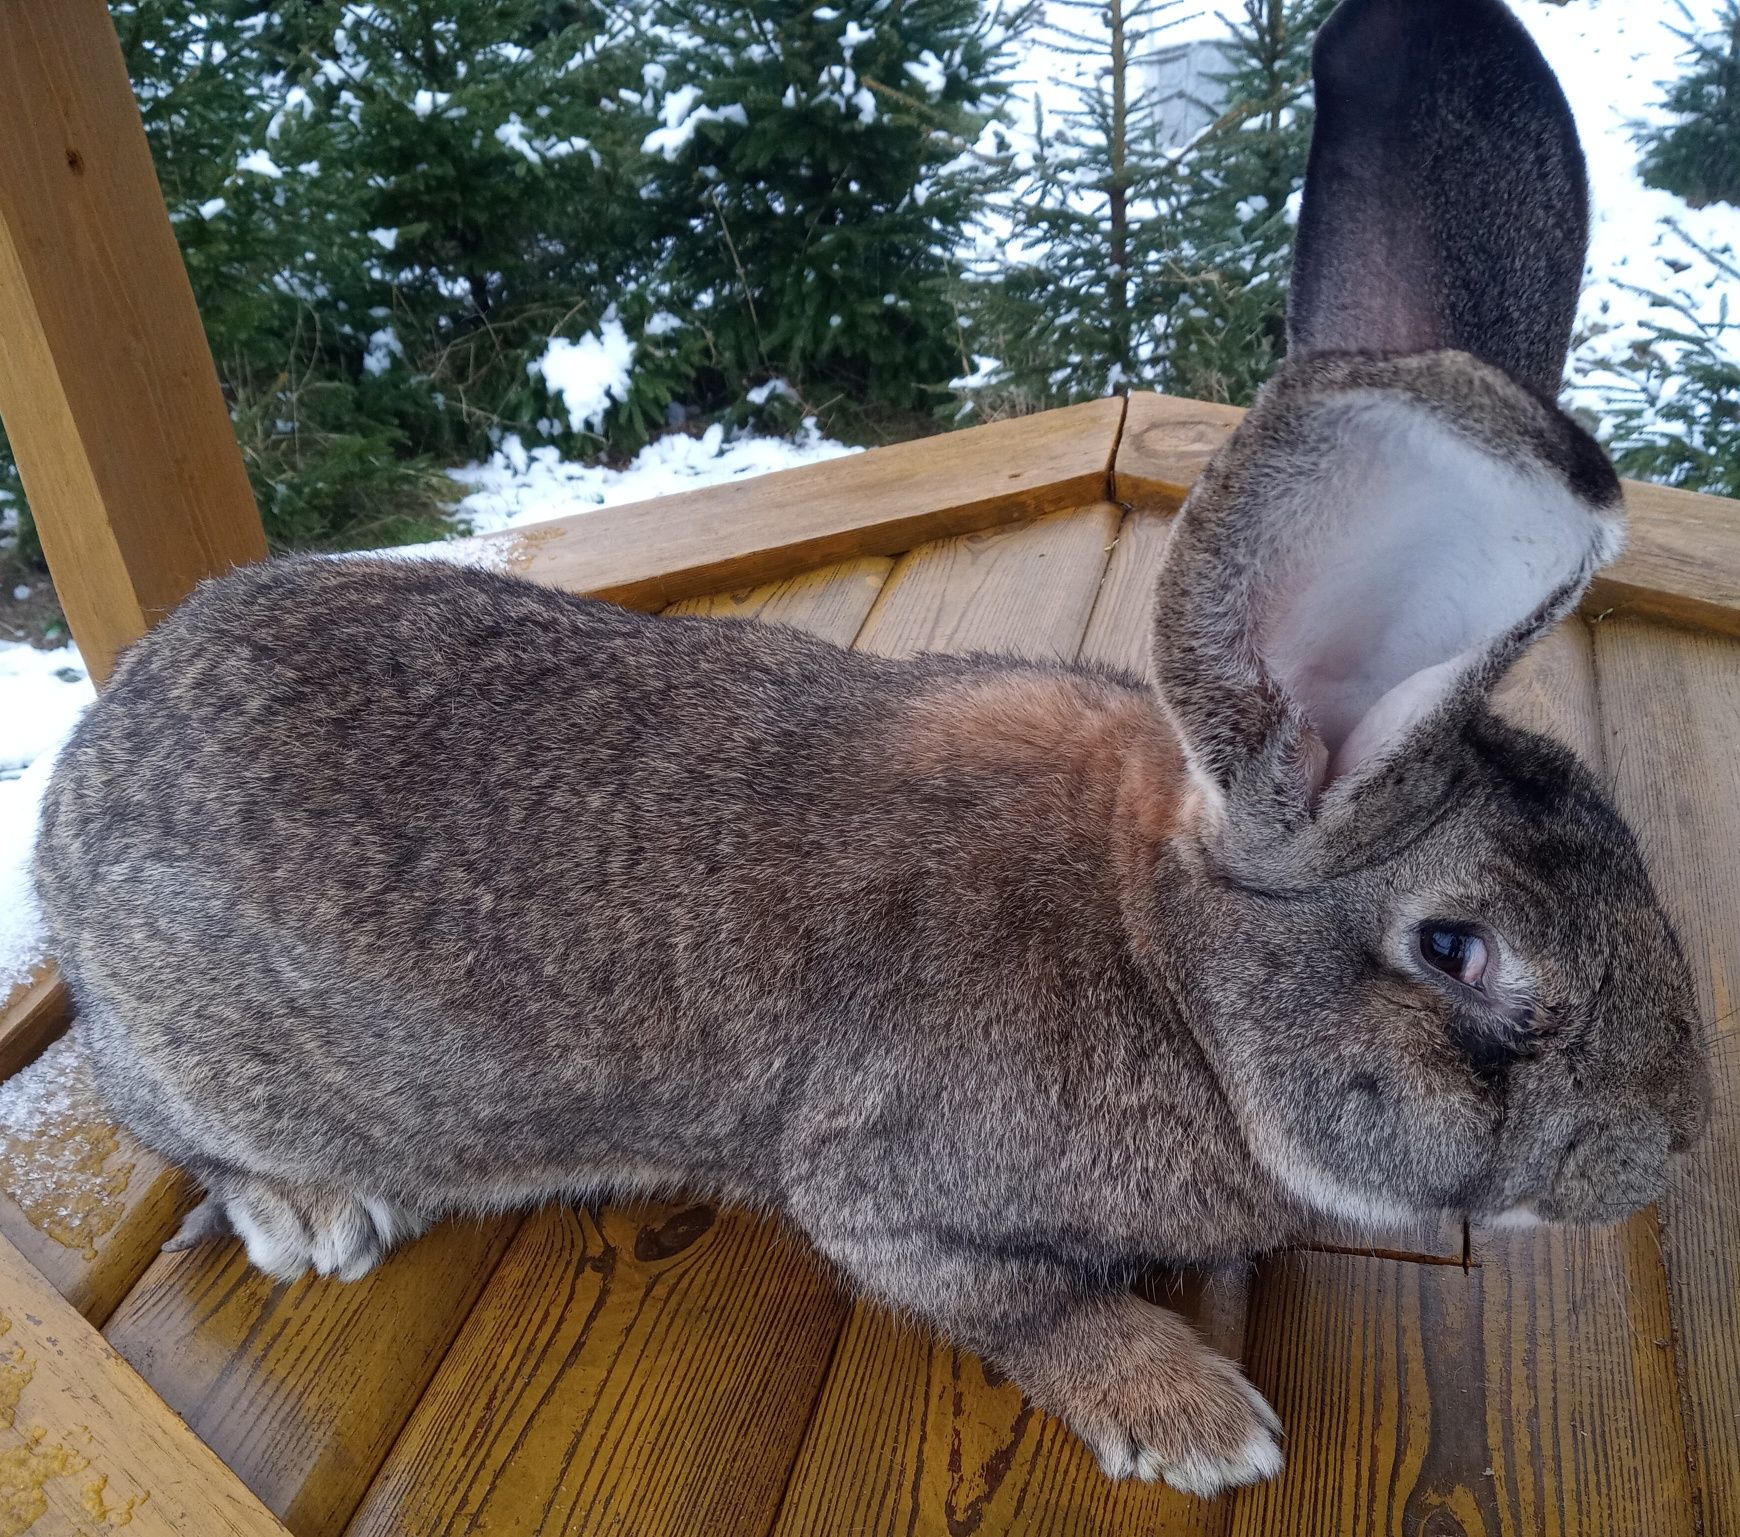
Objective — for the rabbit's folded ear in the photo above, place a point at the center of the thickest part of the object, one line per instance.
(1367, 554)
(1446, 204)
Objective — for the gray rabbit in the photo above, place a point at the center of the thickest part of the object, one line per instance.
(391, 889)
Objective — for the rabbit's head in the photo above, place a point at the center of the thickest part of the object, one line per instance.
(1436, 975)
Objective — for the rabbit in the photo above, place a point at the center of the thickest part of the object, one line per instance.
(389, 889)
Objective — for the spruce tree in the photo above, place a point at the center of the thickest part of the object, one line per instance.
(808, 163)
(1697, 156)
(387, 210)
(1669, 402)
(1066, 299)
(436, 190)
(1227, 331)
(1138, 262)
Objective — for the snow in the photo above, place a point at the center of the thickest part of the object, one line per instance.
(929, 72)
(42, 695)
(66, 1165)
(682, 114)
(512, 133)
(1611, 58)
(21, 946)
(383, 346)
(44, 1092)
(521, 486)
(590, 375)
(260, 163)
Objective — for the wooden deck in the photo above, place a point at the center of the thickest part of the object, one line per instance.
(675, 1370)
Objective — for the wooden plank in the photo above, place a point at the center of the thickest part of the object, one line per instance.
(106, 386)
(1682, 561)
(912, 1435)
(1501, 1400)
(640, 1371)
(917, 1437)
(650, 554)
(34, 1015)
(1535, 1394)
(831, 602)
(303, 1389)
(86, 1446)
(1671, 706)
(1120, 629)
(1026, 590)
(1167, 442)
(79, 1198)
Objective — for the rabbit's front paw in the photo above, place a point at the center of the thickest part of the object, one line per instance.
(289, 1230)
(1243, 1448)
(1153, 1402)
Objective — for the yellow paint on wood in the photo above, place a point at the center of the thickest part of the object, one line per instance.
(303, 1389)
(82, 1438)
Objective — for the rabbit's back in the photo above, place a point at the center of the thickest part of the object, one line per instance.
(362, 865)
(405, 840)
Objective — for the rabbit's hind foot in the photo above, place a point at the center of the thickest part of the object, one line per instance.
(290, 1229)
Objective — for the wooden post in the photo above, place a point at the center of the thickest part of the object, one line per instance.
(107, 388)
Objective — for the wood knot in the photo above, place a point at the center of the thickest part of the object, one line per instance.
(75, 162)
(670, 1237)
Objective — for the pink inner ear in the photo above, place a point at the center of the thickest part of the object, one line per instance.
(1391, 716)
(1398, 558)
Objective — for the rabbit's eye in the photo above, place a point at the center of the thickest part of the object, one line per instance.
(1457, 952)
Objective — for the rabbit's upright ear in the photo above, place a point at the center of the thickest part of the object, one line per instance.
(1446, 204)
(1405, 508)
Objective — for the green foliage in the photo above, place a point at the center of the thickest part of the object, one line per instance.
(1672, 407)
(1671, 404)
(391, 210)
(1069, 307)
(1228, 331)
(1698, 155)
(806, 162)
(1140, 262)
(387, 210)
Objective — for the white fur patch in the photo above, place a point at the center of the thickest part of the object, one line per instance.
(1259, 1458)
(276, 1254)
(1301, 1177)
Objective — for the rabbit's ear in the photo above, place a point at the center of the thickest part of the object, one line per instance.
(1376, 543)
(1446, 204)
